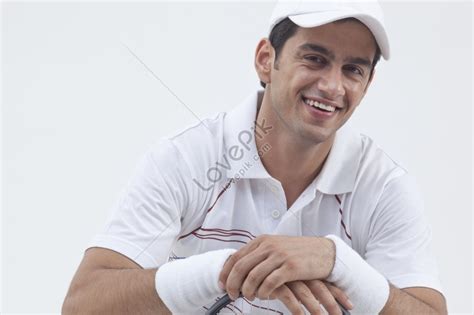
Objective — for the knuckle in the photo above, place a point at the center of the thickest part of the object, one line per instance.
(300, 289)
(305, 298)
(232, 260)
(252, 278)
(270, 247)
(317, 286)
(291, 264)
(286, 296)
(239, 268)
(272, 281)
(304, 295)
(280, 255)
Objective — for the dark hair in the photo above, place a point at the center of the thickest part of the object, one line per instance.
(286, 28)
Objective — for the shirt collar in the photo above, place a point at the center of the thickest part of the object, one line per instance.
(337, 176)
(339, 172)
(239, 138)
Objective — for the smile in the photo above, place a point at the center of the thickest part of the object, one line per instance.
(318, 105)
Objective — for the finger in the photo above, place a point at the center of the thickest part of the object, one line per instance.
(274, 280)
(322, 293)
(284, 294)
(340, 296)
(262, 268)
(232, 260)
(240, 272)
(304, 294)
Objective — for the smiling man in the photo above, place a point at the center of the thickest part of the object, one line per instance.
(276, 203)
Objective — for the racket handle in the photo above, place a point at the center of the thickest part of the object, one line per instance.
(216, 307)
(223, 301)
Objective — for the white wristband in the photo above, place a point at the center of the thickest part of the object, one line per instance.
(366, 287)
(185, 285)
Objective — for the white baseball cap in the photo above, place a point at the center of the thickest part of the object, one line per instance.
(306, 13)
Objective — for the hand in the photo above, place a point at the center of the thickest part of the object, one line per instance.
(269, 261)
(312, 294)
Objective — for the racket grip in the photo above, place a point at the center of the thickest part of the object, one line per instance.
(223, 301)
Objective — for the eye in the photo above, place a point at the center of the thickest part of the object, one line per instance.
(354, 70)
(315, 59)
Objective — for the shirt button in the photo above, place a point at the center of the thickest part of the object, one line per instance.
(275, 214)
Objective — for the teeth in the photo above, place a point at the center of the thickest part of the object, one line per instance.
(316, 104)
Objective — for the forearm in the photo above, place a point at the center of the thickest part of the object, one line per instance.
(401, 302)
(115, 291)
(370, 291)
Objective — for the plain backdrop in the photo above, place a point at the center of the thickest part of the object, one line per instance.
(80, 106)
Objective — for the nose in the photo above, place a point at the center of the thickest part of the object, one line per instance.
(331, 83)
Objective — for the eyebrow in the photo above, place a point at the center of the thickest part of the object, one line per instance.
(317, 48)
(323, 50)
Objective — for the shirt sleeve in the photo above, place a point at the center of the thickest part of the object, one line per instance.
(146, 220)
(399, 244)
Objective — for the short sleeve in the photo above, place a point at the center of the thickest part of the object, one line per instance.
(399, 244)
(146, 220)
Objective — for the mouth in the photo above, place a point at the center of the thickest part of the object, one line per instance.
(320, 106)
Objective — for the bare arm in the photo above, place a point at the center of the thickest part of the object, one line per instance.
(414, 301)
(107, 282)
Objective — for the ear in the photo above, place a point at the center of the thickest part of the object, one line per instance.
(263, 60)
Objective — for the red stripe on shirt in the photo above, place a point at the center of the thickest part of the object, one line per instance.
(342, 220)
(230, 232)
(212, 206)
(217, 239)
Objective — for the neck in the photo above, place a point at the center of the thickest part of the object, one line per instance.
(292, 160)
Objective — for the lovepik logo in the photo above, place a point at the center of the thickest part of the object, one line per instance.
(236, 153)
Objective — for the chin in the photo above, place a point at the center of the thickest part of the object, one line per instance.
(316, 137)
(321, 134)
(320, 139)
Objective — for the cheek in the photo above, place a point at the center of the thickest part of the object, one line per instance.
(304, 76)
(354, 93)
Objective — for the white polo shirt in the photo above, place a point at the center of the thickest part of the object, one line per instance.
(205, 188)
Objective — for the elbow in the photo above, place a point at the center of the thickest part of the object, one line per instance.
(443, 310)
(75, 303)
(69, 307)
(441, 306)
(72, 303)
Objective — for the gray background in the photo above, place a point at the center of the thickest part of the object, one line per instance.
(79, 110)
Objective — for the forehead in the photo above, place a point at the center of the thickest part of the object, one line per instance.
(341, 38)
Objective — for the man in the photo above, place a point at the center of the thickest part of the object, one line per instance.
(275, 203)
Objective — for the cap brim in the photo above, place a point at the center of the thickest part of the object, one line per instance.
(315, 19)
